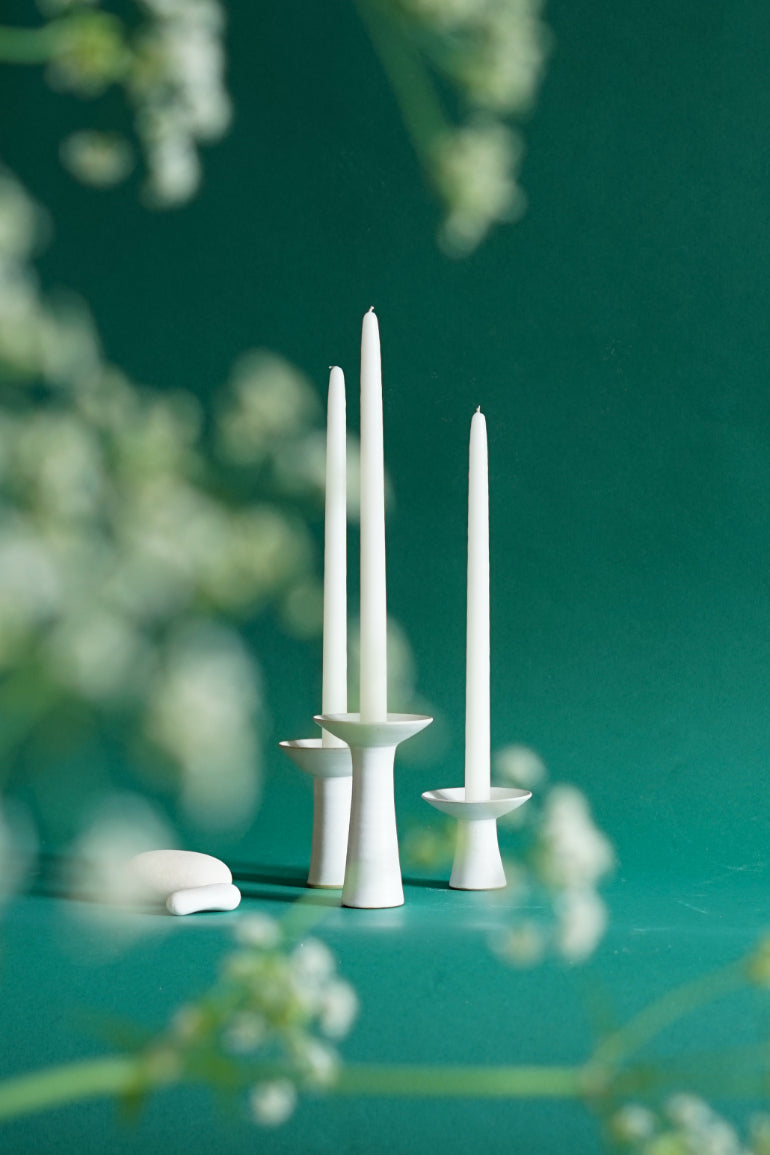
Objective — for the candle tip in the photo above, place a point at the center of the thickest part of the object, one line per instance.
(478, 409)
(370, 309)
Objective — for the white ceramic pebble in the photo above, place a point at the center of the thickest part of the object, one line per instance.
(156, 874)
(218, 896)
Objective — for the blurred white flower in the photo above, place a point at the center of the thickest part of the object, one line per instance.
(175, 170)
(633, 1123)
(312, 963)
(507, 44)
(272, 1103)
(269, 403)
(98, 654)
(245, 1033)
(523, 944)
(120, 826)
(688, 1110)
(258, 930)
(573, 851)
(58, 459)
(30, 579)
(21, 220)
(318, 1062)
(201, 711)
(475, 170)
(581, 922)
(176, 84)
(102, 159)
(338, 1009)
(521, 766)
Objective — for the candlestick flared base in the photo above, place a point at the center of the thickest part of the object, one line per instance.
(332, 773)
(373, 868)
(477, 863)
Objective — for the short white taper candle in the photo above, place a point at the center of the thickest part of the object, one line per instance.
(334, 692)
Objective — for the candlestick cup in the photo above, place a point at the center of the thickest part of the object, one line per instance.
(477, 863)
(331, 770)
(373, 868)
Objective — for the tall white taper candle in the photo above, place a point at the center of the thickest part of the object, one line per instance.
(334, 692)
(477, 642)
(374, 658)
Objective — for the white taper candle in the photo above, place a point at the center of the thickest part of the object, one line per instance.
(477, 741)
(374, 658)
(334, 692)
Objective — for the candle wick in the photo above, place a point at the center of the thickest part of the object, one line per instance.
(478, 409)
(371, 309)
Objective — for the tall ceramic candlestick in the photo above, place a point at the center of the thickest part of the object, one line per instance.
(374, 659)
(334, 692)
(477, 739)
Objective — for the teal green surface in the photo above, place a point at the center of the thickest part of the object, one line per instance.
(617, 340)
(431, 992)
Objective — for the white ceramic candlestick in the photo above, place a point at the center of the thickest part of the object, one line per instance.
(477, 862)
(373, 868)
(331, 769)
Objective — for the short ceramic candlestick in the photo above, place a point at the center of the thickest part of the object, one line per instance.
(477, 862)
(332, 778)
(373, 869)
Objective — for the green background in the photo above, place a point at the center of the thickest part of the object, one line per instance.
(617, 340)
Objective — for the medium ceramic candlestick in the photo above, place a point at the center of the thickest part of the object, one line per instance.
(332, 778)
(477, 862)
(373, 868)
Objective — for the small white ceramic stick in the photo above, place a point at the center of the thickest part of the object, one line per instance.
(217, 896)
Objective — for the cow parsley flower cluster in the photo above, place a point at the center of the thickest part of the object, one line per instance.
(127, 546)
(491, 54)
(563, 858)
(167, 57)
(269, 1025)
(685, 1125)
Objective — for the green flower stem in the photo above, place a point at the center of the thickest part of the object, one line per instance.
(29, 45)
(408, 77)
(453, 1082)
(71, 1083)
(617, 1047)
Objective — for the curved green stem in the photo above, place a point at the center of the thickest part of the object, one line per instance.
(670, 1007)
(73, 1082)
(29, 45)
